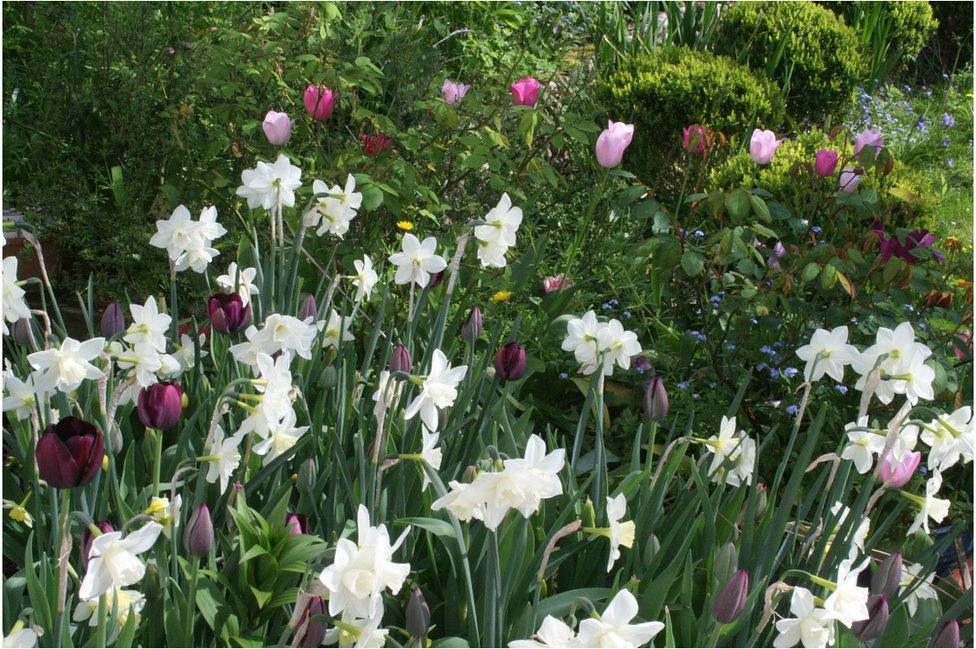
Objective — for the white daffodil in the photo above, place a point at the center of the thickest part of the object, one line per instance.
(914, 378)
(387, 393)
(730, 446)
(438, 390)
(144, 361)
(616, 345)
(900, 361)
(912, 572)
(614, 628)
(501, 223)
(863, 446)
(553, 633)
(621, 533)
(188, 243)
(281, 437)
(827, 353)
(165, 512)
(356, 632)
(812, 626)
(64, 368)
(430, 453)
(175, 234)
(929, 505)
(417, 261)
(113, 562)
(240, 280)
(21, 396)
(267, 184)
(581, 338)
(336, 210)
(950, 437)
(185, 353)
(224, 457)
(365, 278)
(148, 325)
(848, 602)
(273, 404)
(20, 637)
(14, 305)
(361, 571)
(335, 330)
(125, 603)
(278, 333)
(860, 535)
(492, 254)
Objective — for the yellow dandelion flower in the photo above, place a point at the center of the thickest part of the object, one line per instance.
(501, 296)
(406, 226)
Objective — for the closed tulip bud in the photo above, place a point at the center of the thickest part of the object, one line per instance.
(896, 473)
(525, 92)
(946, 636)
(872, 627)
(435, 279)
(198, 537)
(849, 179)
(87, 536)
(310, 627)
(21, 332)
(612, 143)
(473, 326)
(762, 146)
(160, 405)
(556, 283)
(510, 362)
(869, 137)
(732, 598)
(307, 475)
(655, 400)
(319, 102)
(69, 453)
(113, 320)
(762, 501)
(452, 92)
(651, 549)
(228, 313)
(277, 127)
(887, 578)
(825, 162)
(725, 563)
(694, 138)
(296, 523)
(308, 308)
(418, 615)
(401, 360)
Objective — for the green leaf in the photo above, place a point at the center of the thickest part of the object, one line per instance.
(737, 204)
(759, 208)
(435, 526)
(810, 271)
(692, 263)
(261, 595)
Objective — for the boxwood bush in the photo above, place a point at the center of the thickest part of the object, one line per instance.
(807, 49)
(911, 22)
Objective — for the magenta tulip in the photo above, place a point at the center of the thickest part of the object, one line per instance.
(694, 138)
(510, 362)
(896, 473)
(277, 127)
(228, 314)
(319, 102)
(401, 360)
(612, 143)
(525, 92)
(160, 405)
(762, 146)
(296, 523)
(825, 162)
(452, 91)
(69, 453)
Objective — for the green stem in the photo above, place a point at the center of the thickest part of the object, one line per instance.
(100, 631)
(158, 455)
(581, 233)
(188, 619)
(600, 466)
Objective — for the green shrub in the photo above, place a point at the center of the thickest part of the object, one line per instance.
(807, 49)
(667, 89)
(910, 22)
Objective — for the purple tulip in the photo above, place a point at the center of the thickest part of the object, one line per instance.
(732, 598)
(198, 537)
(892, 247)
(21, 332)
(418, 616)
(308, 309)
(228, 313)
(510, 362)
(762, 146)
(310, 627)
(896, 473)
(296, 523)
(452, 92)
(694, 138)
(277, 127)
(825, 162)
(868, 137)
(612, 143)
(435, 279)
(113, 320)
(473, 326)
(874, 626)
(160, 405)
(401, 360)
(319, 102)
(887, 578)
(946, 636)
(69, 453)
(850, 179)
(525, 92)
(656, 400)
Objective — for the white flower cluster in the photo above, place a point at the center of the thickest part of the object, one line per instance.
(333, 212)
(598, 344)
(187, 242)
(497, 234)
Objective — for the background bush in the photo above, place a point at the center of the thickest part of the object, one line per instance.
(910, 22)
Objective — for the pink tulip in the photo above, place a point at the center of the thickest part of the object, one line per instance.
(694, 138)
(868, 137)
(319, 102)
(277, 127)
(612, 143)
(850, 179)
(556, 283)
(452, 92)
(525, 92)
(762, 146)
(896, 473)
(825, 162)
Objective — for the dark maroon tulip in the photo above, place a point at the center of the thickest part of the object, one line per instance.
(86, 540)
(418, 615)
(160, 405)
(310, 629)
(69, 453)
(296, 523)
(874, 626)
(947, 635)
(401, 360)
(373, 145)
(21, 332)
(435, 279)
(510, 362)
(887, 578)
(655, 400)
(732, 598)
(473, 326)
(228, 314)
(113, 320)
(198, 537)
(308, 309)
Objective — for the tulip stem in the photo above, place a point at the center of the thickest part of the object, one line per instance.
(191, 596)
(175, 322)
(158, 456)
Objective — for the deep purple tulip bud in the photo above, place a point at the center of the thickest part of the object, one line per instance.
(732, 598)
(874, 626)
(308, 309)
(198, 537)
(69, 453)
(435, 279)
(296, 523)
(418, 615)
(825, 162)
(472, 328)
(401, 360)
(655, 400)
(887, 578)
(228, 314)
(160, 405)
(113, 320)
(86, 541)
(21, 332)
(309, 626)
(947, 635)
(510, 362)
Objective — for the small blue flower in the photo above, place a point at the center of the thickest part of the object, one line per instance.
(841, 388)
(816, 229)
(695, 395)
(950, 163)
(922, 125)
(761, 366)
(792, 409)
(773, 373)
(906, 88)
(778, 344)
(614, 302)
(948, 120)
(790, 372)
(945, 141)
(606, 306)
(563, 375)
(699, 336)
(698, 234)
(683, 385)
(628, 314)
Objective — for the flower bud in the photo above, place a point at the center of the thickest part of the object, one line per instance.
(825, 162)
(612, 143)
(69, 453)
(874, 626)
(651, 549)
(401, 361)
(373, 145)
(762, 501)
(588, 515)
(946, 636)
(228, 313)
(319, 102)
(556, 283)
(887, 577)
(296, 523)
(510, 362)
(452, 92)
(198, 537)
(762, 146)
(310, 627)
(732, 598)
(21, 332)
(655, 400)
(308, 308)
(277, 127)
(694, 138)
(418, 615)
(160, 405)
(113, 320)
(435, 279)
(307, 476)
(896, 473)
(525, 92)
(86, 541)
(472, 328)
